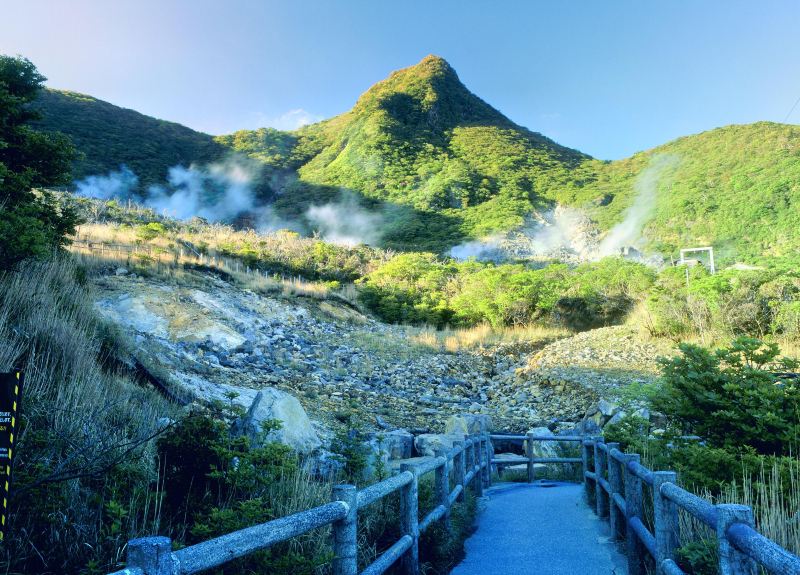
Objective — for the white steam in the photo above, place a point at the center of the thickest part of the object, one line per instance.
(218, 192)
(120, 184)
(628, 233)
(345, 222)
(223, 191)
(487, 249)
(568, 234)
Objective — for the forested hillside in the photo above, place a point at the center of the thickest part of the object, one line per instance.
(441, 166)
(736, 187)
(108, 136)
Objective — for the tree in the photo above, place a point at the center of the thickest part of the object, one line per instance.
(31, 223)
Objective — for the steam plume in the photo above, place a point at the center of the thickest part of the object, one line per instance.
(345, 222)
(629, 231)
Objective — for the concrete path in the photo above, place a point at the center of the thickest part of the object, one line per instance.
(539, 530)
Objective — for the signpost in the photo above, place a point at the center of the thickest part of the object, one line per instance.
(10, 395)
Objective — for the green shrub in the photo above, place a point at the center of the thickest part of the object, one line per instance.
(729, 397)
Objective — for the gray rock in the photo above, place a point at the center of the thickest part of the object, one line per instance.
(269, 403)
(542, 448)
(607, 408)
(467, 424)
(426, 444)
(618, 417)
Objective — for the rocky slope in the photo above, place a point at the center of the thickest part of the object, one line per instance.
(210, 340)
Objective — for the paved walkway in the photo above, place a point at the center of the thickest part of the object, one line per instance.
(539, 530)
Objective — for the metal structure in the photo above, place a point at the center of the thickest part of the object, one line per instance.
(708, 249)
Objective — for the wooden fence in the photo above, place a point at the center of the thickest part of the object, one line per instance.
(615, 489)
(468, 462)
(614, 486)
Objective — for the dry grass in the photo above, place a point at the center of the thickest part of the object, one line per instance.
(482, 336)
(118, 246)
(80, 418)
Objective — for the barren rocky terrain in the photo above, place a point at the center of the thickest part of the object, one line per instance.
(323, 365)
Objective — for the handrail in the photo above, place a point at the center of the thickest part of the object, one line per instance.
(380, 490)
(538, 437)
(468, 459)
(215, 552)
(768, 553)
(696, 506)
(613, 485)
(740, 546)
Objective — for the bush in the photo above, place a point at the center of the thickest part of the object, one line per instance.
(729, 397)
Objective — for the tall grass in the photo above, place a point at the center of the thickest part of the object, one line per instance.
(81, 419)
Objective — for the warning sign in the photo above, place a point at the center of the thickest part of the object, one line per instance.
(10, 395)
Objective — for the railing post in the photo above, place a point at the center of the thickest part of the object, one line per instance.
(409, 520)
(731, 560)
(587, 487)
(529, 455)
(458, 467)
(442, 481)
(478, 452)
(600, 465)
(345, 532)
(487, 471)
(667, 528)
(633, 508)
(153, 555)
(615, 516)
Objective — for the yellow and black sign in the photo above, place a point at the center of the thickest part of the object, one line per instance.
(10, 396)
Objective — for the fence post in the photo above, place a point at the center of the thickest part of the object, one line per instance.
(587, 487)
(345, 532)
(633, 508)
(615, 517)
(529, 455)
(731, 560)
(442, 482)
(600, 465)
(409, 520)
(469, 459)
(153, 555)
(478, 451)
(667, 528)
(458, 468)
(488, 470)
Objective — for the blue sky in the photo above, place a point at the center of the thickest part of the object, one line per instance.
(607, 77)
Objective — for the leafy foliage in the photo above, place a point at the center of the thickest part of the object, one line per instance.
(421, 288)
(729, 397)
(30, 223)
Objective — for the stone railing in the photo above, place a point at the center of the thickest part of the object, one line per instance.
(615, 489)
(468, 462)
(530, 460)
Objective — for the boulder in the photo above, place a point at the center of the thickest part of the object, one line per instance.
(542, 448)
(467, 424)
(607, 408)
(618, 417)
(269, 403)
(397, 444)
(427, 443)
(589, 427)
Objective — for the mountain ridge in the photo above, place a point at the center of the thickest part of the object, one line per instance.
(444, 166)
